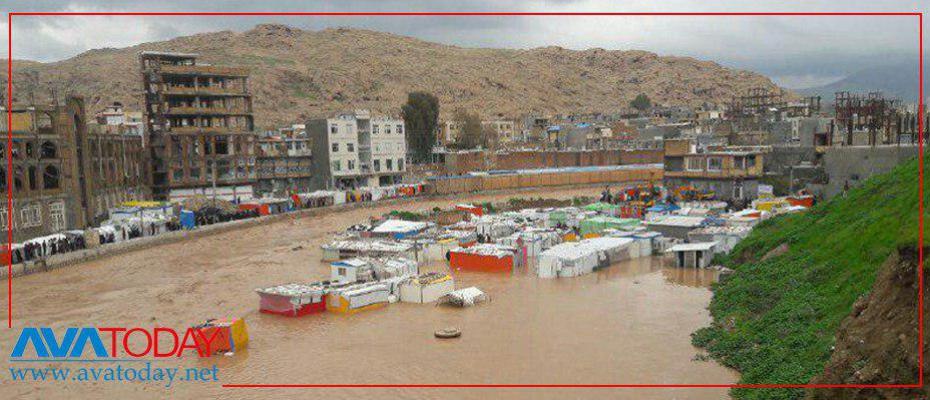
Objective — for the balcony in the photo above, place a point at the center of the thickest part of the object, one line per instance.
(204, 129)
(299, 153)
(206, 110)
(205, 91)
(204, 70)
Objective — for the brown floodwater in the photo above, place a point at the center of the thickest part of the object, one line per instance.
(627, 324)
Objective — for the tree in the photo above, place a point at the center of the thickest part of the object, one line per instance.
(421, 118)
(471, 134)
(641, 102)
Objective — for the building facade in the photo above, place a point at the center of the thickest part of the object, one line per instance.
(115, 165)
(114, 119)
(284, 162)
(730, 173)
(199, 126)
(504, 131)
(357, 150)
(62, 169)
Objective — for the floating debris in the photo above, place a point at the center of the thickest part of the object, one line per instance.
(464, 297)
(447, 333)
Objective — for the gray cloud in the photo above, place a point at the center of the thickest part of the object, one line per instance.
(794, 50)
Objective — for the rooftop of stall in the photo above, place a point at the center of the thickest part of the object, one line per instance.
(399, 229)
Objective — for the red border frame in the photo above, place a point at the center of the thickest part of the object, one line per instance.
(920, 233)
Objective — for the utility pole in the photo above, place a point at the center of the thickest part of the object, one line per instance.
(213, 179)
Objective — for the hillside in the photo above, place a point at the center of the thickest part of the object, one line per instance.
(297, 73)
(898, 80)
(797, 278)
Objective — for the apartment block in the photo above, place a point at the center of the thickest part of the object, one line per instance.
(285, 162)
(355, 150)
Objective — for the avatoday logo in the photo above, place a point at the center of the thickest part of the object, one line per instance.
(111, 343)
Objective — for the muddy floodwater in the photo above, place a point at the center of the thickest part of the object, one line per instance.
(629, 323)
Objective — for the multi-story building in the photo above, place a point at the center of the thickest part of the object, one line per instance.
(199, 125)
(729, 172)
(357, 150)
(504, 130)
(284, 162)
(61, 169)
(116, 163)
(114, 119)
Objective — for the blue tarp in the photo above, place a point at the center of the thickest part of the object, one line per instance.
(187, 219)
(663, 208)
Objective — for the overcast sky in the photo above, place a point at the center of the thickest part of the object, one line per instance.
(795, 51)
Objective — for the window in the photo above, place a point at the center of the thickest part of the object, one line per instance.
(30, 215)
(714, 164)
(32, 177)
(375, 128)
(389, 163)
(337, 165)
(377, 165)
(750, 161)
(400, 164)
(49, 150)
(693, 164)
(400, 129)
(44, 121)
(222, 145)
(56, 216)
(335, 147)
(342, 271)
(3, 220)
(351, 165)
(334, 129)
(387, 129)
(350, 147)
(50, 177)
(18, 178)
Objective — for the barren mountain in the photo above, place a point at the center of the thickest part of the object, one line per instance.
(297, 73)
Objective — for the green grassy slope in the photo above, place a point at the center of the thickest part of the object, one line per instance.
(775, 320)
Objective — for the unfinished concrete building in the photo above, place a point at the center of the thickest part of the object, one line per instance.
(200, 127)
(868, 119)
(760, 105)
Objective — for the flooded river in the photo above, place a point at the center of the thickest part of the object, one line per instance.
(629, 323)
